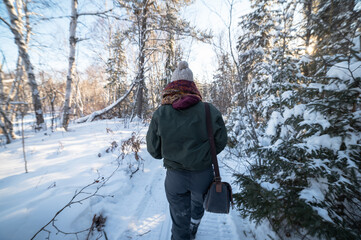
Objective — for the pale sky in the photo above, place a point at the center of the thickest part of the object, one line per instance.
(204, 14)
(214, 15)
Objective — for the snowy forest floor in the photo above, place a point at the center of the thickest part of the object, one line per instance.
(61, 163)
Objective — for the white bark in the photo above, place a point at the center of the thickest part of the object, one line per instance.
(15, 86)
(71, 68)
(2, 126)
(2, 100)
(79, 102)
(7, 127)
(23, 142)
(95, 114)
(16, 27)
(2, 95)
(143, 34)
(8, 111)
(14, 93)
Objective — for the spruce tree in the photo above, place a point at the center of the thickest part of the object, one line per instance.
(117, 74)
(253, 73)
(223, 86)
(307, 180)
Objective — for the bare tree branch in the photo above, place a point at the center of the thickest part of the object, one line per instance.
(8, 24)
(229, 32)
(100, 180)
(95, 13)
(99, 14)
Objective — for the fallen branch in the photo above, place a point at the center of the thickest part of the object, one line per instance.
(101, 181)
(140, 235)
(92, 116)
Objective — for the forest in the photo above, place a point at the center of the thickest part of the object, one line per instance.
(285, 74)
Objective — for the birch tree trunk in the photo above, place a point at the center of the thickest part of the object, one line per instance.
(2, 102)
(141, 64)
(16, 28)
(5, 132)
(14, 91)
(8, 111)
(170, 60)
(71, 69)
(2, 95)
(14, 86)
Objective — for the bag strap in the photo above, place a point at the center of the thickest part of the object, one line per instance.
(217, 177)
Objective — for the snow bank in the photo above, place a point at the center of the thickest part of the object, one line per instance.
(60, 164)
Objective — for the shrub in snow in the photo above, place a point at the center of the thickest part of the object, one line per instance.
(131, 147)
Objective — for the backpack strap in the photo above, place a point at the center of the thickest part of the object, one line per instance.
(217, 177)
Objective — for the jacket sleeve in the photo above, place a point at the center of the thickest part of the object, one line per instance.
(219, 131)
(154, 140)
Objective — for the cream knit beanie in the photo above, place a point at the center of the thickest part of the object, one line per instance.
(182, 72)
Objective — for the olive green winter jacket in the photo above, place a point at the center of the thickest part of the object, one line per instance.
(180, 136)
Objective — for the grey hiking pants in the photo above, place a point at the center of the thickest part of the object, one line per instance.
(185, 193)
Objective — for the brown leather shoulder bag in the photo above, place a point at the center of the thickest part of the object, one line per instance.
(219, 197)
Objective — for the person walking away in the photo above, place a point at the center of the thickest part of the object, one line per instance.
(178, 135)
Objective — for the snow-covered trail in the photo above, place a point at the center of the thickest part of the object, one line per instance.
(151, 219)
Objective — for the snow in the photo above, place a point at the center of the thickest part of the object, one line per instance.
(274, 121)
(329, 87)
(357, 41)
(287, 94)
(323, 213)
(277, 119)
(314, 117)
(357, 6)
(61, 163)
(270, 186)
(299, 109)
(310, 118)
(315, 194)
(345, 70)
(324, 141)
(320, 163)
